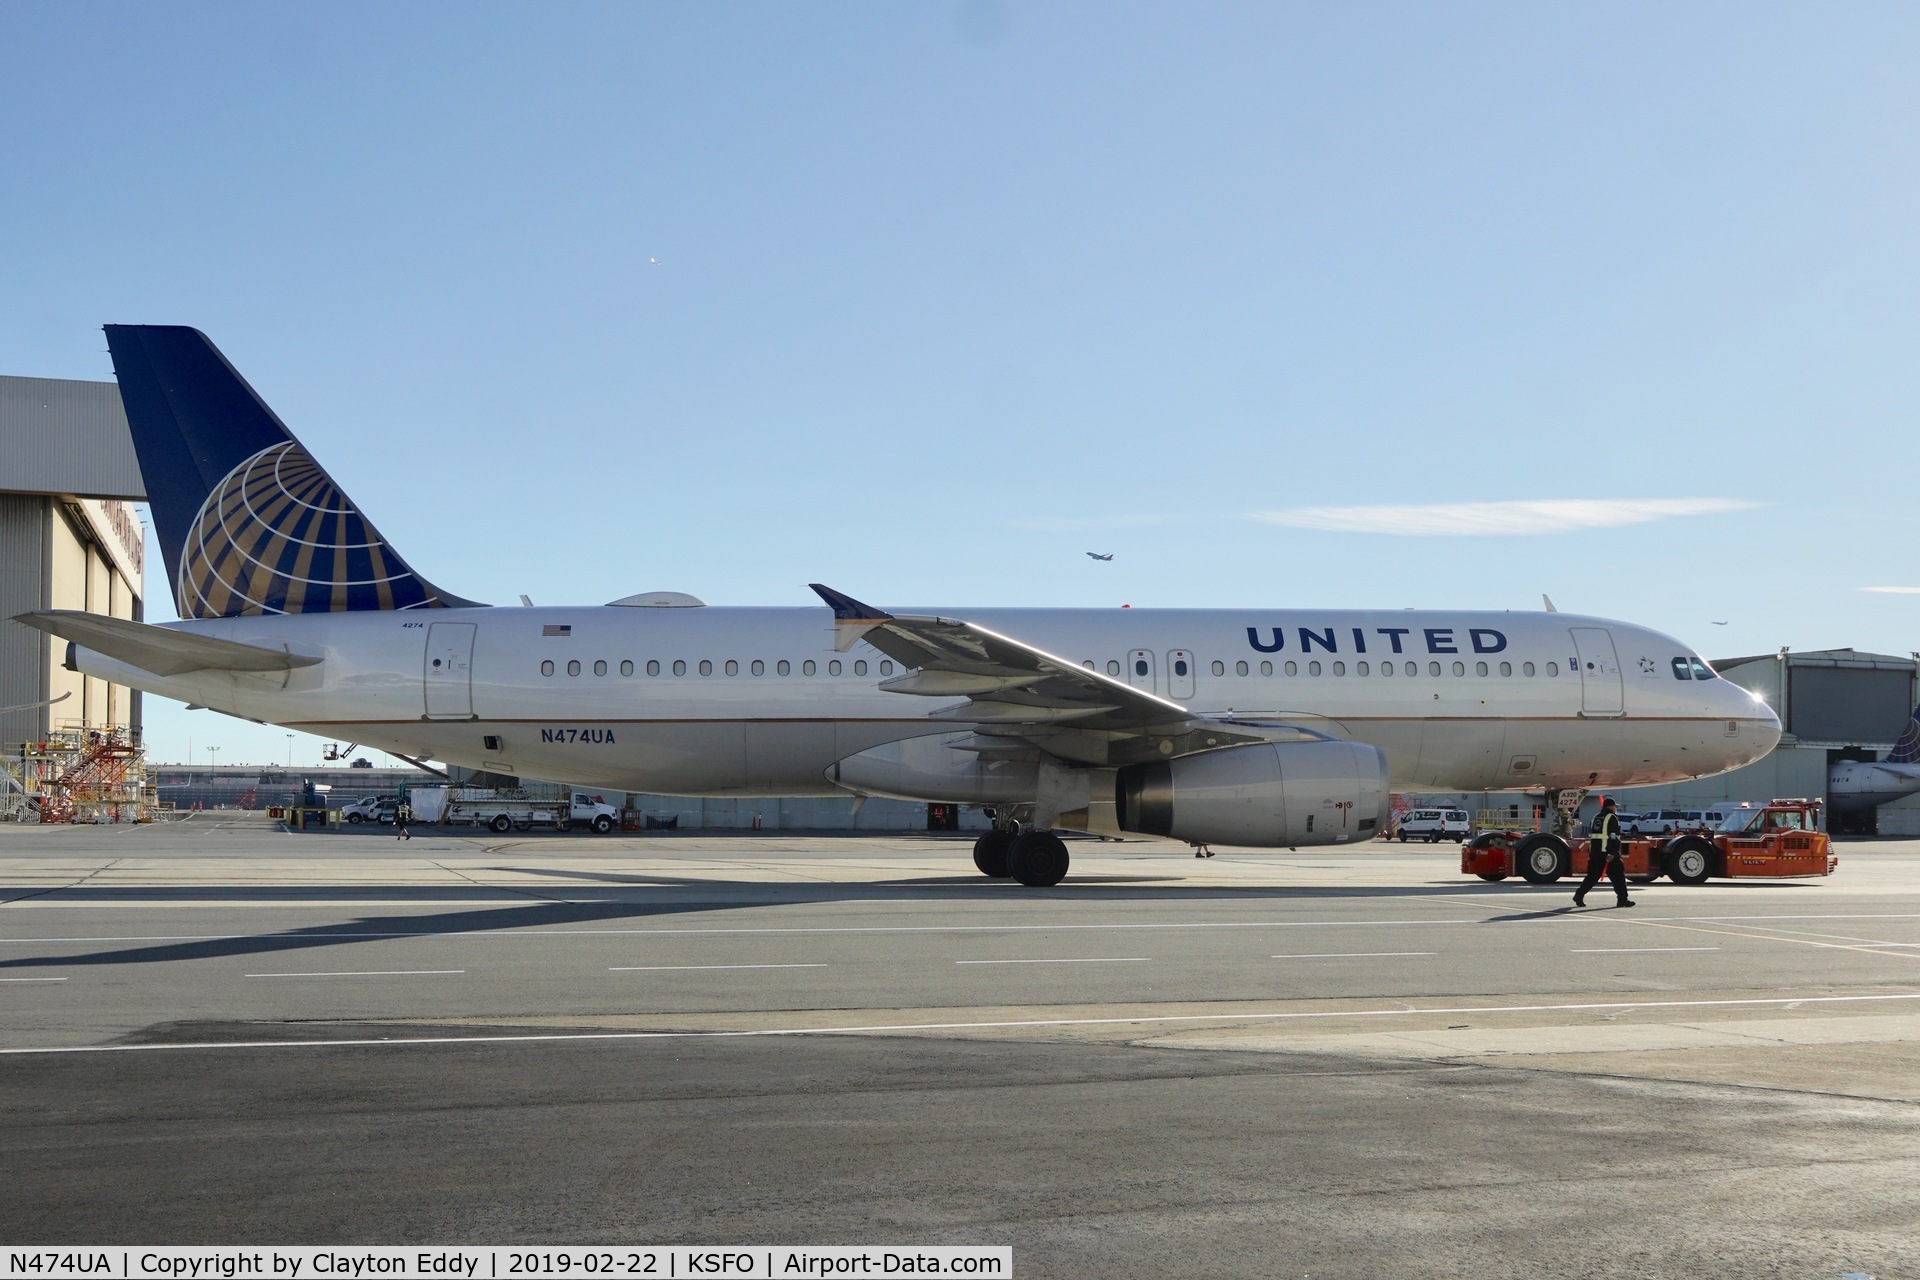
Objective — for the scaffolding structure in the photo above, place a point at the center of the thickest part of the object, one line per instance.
(79, 775)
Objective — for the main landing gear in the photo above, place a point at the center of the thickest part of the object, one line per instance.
(1027, 854)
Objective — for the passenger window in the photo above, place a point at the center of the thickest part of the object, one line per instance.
(653, 666)
(1479, 668)
(783, 667)
(1313, 668)
(1527, 668)
(1459, 668)
(807, 668)
(1681, 669)
(1219, 668)
(833, 667)
(1339, 668)
(626, 666)
(706, 667)
(1180, 666)
(1266, 668)
(733, 668)
(1413, 668)
(679, 667)
(886, 668)
(1240, 668)
(1139, 666)
(1113, 667)
(758, 668)
(1553, 668)
(860, 666)
(1088, 664)
(1386, 668)
(1506, 668)
(1362, 669)
(1433, 668)
(1701, 671)
(546, 668)
(600, 666)
(573, 667)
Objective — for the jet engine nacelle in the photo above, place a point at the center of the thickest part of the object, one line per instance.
(928, 769)
(1268, 794)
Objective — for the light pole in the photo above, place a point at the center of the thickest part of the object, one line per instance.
(289, 751)
(210, 760)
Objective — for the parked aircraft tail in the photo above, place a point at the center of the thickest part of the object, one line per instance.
(248, 522)
(1906, 749)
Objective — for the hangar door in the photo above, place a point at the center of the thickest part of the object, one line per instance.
(1848, 704)
(449, 671)
(1600, 692)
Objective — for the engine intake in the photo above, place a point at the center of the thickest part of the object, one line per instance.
(1268, 794)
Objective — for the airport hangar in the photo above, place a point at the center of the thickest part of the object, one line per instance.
(69, 540)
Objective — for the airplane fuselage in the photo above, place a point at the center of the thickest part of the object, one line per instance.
(756, 701)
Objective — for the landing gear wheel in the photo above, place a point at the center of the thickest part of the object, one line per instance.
(1542, 858)
(990, 851)
(1038, 858)
(602, 824)
(1688, 862)
(500, 822)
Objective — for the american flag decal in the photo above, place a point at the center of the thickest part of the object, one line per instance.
(563, 629)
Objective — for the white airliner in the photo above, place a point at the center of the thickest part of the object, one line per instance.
(1865, 784)
(1275, 728)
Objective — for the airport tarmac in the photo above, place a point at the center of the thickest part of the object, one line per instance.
(1330, 1063)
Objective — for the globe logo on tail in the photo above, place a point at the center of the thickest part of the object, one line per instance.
(278, 536)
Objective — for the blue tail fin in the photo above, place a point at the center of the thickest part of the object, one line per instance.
(248, 522)
(1906, 749)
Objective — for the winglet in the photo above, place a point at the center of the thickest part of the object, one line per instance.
(851, 619)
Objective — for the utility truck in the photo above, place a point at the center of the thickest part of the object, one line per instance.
(466, 806)
(1779, 839)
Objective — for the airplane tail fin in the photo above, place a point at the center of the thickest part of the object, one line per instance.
(1906, 749)
(248, 522)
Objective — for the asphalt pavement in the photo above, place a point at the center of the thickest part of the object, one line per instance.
(1350, 1062)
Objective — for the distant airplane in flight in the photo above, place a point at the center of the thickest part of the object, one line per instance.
(1095, 555)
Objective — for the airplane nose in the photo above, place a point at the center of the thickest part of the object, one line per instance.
(1767, 721)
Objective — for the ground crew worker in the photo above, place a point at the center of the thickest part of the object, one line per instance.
(1603, 851)
(403, 814)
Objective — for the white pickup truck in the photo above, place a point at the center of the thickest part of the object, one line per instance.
(508, 815)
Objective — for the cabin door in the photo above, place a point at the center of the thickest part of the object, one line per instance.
(1600, 689)
(449, 670)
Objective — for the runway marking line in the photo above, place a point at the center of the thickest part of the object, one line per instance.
(890, 1028)
(362, 973)
(1068, 960)
(32, 979)
(1350, 955)
(1608, 951)
(661, 968)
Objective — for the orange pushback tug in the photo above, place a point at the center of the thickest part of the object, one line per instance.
(1778, 839)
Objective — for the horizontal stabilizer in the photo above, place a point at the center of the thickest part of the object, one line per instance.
(161, 650)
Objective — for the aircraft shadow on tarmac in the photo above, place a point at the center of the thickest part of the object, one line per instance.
(543, 912)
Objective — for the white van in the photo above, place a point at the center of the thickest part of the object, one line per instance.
(1433, 825)
(1666, 822)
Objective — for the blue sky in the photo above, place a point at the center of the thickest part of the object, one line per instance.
(947, 294)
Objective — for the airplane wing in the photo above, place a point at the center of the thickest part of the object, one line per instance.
(1013, 690)
(161, 650)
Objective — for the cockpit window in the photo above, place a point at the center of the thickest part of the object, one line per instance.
(1682, 669)
(1701, 671)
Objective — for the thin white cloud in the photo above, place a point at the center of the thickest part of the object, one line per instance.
(1501, 519)
(1895, 591)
